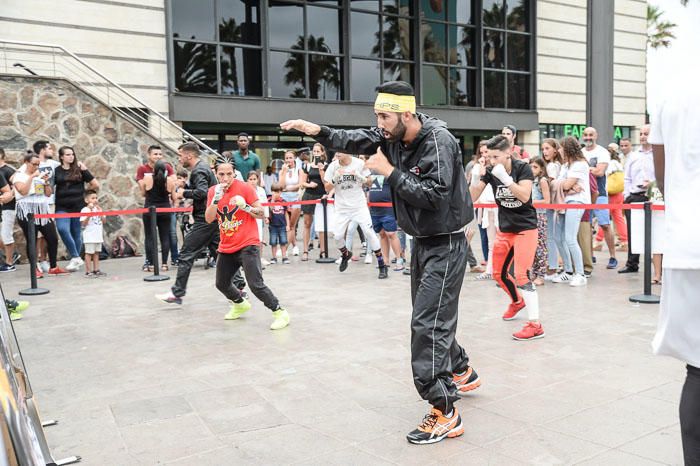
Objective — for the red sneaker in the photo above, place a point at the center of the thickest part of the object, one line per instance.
(39, 274)
(531, 331)
(467, 380)
(513, 309)
(58, 271)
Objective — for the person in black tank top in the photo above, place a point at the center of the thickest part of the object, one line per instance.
(158, 187)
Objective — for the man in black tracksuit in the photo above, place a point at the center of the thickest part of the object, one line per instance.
(202, 234)
(422, 163)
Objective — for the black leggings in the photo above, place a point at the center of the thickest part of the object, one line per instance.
(163, 226)
(50, 235)
(690, 416)
(227, 265)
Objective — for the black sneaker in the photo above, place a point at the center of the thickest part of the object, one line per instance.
(15, 258)
(169, 298)
(628, 269)
(436, 427)
(7, 268)
(212, 263)
(344, 259)
(383, 272)
(407, 271)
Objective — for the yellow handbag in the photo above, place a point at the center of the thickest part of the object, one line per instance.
(616, 182)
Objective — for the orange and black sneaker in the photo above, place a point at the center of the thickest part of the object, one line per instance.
(513, 309)
(436, 427)
(466, 381)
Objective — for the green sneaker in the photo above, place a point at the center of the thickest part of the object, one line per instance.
(281, 319)
(15, 316)
(238, 309)
(16, 306)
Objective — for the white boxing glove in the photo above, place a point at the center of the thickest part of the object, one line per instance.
(476, 175)
(362, 179)
(241, 203)
(499, 171)
(218, 193)
(337, 177)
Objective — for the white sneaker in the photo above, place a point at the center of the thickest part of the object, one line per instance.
(337, 261)
(578, 280)
(79, 261)
(295, 250)
(550, 278)
(368, 259)
(265, 262)
(44, 266)
(73, 265)
(562, 278)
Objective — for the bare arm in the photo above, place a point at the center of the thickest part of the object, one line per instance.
(210, 213)
(544, 186)
(599, 169)
(475, 189)
(569, 183)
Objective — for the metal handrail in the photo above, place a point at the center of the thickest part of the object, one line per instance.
(167, 129)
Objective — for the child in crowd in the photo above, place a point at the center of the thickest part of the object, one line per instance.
(254, 182)
(540, 195)
(277, 219)
(92, 236)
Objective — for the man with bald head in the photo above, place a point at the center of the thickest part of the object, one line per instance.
(598, 158)
(639, 173)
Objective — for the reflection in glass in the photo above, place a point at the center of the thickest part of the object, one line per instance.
(395, 71)
(518, 91)
(239, 21)
(372, 5)
(517, 15)
(434, 85)
(462, 87)
(193, 20)
(337, 3)
(195, 67)
(433, 9)
(462, 42)
(494, 83)
(493, 13)
(324, 77)
(434, 42)
(518, 52)
(493, 49)
(460, 11)
(286, 24)
(364, 79)
(364, 31)
(287, 74)
(325, 23)
(398, 7)
(240, 71)
(397, 38)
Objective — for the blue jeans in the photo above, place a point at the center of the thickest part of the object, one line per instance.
(174, 254)
(69, 229)
(567, 239)
(552, 254)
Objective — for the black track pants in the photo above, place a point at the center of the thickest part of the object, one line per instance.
(437, 272)
(690, 417)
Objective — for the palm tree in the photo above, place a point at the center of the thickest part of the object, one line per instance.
(195, 66)
(323, 69)
(659, 32)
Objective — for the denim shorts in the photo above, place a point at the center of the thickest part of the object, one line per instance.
(384, 222)
(603, 215)
(278, 235)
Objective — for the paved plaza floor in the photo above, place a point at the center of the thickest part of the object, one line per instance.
(135, 382)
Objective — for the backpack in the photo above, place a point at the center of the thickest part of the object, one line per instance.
(122, 246)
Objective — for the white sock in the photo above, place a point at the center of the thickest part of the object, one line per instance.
(531, 303)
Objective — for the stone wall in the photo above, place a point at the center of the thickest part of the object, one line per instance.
(34, 108)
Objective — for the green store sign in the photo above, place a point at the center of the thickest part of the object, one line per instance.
(577, 130)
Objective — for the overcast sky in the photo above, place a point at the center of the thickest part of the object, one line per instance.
(684, 54)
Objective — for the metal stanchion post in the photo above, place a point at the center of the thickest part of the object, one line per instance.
(156, 277)
(34, 290)
(647, 297)
(327, 259)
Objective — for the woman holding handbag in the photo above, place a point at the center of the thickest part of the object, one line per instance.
(616, 183)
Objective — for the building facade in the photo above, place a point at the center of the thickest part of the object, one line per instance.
(219, 67)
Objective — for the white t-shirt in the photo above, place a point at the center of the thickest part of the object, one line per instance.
(580, 171)
(598, 155)
(613, 166)
(49, 165)
(349, 195)
(675, 125)
(36, 189)
(92, 232)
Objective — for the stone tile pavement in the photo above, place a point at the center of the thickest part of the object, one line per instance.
(134, 382)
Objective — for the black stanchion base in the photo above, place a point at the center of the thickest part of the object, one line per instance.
(326, 260)
(156, 278)
(645, 299)
(33, 291)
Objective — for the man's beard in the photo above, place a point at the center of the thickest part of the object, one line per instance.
(398, 133)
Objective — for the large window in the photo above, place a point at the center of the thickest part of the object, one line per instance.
(306, 50)
(506, 50)
(474, 53)
(381, 41)
(217, 47)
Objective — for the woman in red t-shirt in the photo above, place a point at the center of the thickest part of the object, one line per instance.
(235, 205)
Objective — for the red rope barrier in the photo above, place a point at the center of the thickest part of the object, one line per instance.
(109, 213)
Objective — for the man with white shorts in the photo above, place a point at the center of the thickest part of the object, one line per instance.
(677, 165)
(347, 175)
(7, 204)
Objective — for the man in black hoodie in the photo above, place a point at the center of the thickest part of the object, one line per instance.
(422, 163)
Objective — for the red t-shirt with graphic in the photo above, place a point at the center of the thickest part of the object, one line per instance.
(237, 228)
